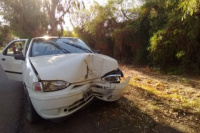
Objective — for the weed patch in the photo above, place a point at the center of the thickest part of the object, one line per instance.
(174, 96)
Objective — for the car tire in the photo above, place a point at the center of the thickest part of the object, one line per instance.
(31, 114)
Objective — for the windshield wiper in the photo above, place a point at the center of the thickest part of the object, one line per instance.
(57, 46)
(77, 46)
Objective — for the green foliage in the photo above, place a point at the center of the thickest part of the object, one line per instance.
(80, 33)
(56, 10)
(24, 17)
(162, 33)
(189, 7)
(111, 30)
(125, 48)
(174, 34)
(5, 35)
(180, 54)
(31, 18)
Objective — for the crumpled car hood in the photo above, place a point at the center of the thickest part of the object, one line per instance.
(73, 67)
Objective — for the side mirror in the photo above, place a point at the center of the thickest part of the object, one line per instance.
(19, 57)
(98, 51)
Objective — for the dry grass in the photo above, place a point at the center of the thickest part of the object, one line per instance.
(174, 95)
(168, 99)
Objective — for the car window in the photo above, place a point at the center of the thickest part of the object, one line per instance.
(14, 48)
(58, 46)
(40, 48)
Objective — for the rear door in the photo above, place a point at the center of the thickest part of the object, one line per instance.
(12, 67)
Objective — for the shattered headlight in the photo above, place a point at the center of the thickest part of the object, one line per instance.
(54, 85)
(113, 76)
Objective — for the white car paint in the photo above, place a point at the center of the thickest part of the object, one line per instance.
(83, 71)
(10, 65)
(78, 66)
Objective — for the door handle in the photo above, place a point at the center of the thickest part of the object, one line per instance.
(3, 59)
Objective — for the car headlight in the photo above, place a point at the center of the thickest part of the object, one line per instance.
(54, 85)
(114, 78)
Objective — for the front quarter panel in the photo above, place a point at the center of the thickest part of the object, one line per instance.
(29, 76)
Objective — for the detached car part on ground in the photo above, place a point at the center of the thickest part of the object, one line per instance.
(61, 75)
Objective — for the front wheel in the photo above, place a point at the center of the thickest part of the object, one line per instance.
(31, 114)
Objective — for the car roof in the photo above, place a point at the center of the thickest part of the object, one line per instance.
(47, 37)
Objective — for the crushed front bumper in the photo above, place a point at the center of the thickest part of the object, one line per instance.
(62, 103)
(109, 92)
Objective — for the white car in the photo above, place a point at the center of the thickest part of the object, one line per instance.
(61, 75)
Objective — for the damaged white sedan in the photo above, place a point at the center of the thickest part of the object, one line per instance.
(61, 75)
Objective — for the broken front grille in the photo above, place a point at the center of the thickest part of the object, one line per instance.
(78, 103)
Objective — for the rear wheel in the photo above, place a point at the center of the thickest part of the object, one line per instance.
(31, 114)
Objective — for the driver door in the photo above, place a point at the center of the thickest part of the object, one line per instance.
(11, 66)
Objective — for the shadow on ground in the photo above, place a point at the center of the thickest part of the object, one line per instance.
(100, 117)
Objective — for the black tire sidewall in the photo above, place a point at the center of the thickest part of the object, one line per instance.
(31, 114)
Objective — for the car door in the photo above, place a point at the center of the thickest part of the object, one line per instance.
(11, 66)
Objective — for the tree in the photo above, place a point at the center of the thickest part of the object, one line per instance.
(29, 18)
(57, 10)
(176, 42)
(24, 17)
(5, 35)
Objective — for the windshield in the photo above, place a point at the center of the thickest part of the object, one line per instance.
(58, 46)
